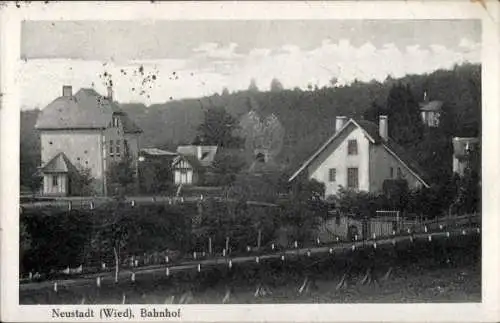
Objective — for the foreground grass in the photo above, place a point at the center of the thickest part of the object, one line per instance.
(429, 279)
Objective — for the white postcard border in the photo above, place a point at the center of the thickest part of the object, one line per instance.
(11, 18)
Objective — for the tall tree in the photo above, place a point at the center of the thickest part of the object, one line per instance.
(218, 129)
(276, 85)
(122, 175)
(253, 86)
(405, 126)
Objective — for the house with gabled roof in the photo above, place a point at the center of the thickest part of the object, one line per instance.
(192, 163)
(466, 153)
(360, 156)
(83, 131)
(430, 111)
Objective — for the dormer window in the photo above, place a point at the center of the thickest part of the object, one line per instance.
(116, 122)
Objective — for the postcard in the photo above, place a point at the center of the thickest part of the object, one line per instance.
(250, 161)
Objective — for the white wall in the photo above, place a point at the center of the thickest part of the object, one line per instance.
(82, 147)
(380, 163)
(60, 189)
(335, 156)
(186, 178)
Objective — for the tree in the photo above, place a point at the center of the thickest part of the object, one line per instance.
(225, 91)
(155, 175)
(253, 86)
(276, 85)
(405, 126)
(226, 166)
(374, 112)
(303, 209)
(218, 129)
(122, 176)
(333, 81)
(81, 183)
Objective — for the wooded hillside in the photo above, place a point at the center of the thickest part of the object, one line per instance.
(308, 117)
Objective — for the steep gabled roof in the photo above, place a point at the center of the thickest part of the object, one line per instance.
(192, 160)
(87, 109)
(208, 153)
(58, 164)
(371, 131)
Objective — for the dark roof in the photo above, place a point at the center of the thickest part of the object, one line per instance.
(128, 125)
(58, 164)
(431, 106)
(87, 109)
(208, 153)
(157, 152)
(373, 130)
(192, 160)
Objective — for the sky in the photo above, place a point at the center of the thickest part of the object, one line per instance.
(186, 59)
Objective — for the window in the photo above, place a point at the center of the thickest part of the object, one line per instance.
(391, 172)
(337, 219)
(117, 148)
(352, 178)
(332, 174)
(260, 158)
(116, 122)
(352, 147)
(55, 181)
(111, 148)
(400, 174)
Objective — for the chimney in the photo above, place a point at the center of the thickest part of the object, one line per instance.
(110, 93)
(199, 153)
(67, 91)
(339, 123)
(383, 127)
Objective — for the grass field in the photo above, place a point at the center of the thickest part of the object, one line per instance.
(417, 276)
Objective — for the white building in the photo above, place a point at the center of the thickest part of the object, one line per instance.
(360, 156)
(83, 131)
(465, 150)
(430, 112)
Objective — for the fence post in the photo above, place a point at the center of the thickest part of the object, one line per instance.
(259, 237)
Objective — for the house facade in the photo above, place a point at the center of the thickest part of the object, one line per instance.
(430, 112)
(83, 131)
(192, 164)
(466, 152)
(361, 157)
